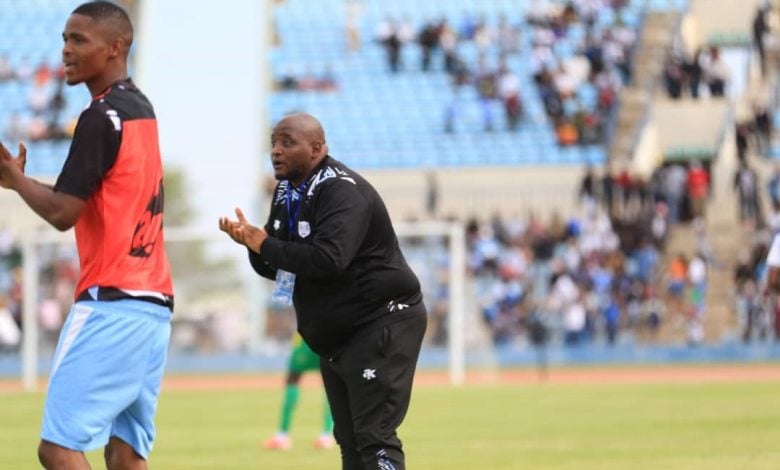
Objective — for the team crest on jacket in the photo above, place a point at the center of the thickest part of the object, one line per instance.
(303, 229)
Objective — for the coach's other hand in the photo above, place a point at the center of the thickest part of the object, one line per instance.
(241, 231)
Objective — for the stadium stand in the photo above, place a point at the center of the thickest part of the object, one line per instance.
(31, 48)
(395, 123)
(404, 125)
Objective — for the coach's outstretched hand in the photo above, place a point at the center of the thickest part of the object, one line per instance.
(241, 231)
(10, 165)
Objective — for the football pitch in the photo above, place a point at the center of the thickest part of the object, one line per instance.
(529, 424)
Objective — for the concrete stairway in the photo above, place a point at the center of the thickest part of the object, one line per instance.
(653, 43)
(720, 320)
(727, 238)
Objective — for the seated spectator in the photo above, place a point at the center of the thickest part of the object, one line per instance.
(38, 129)
(565, 83)
(43, 74)
(588, 126)
(6, 69)
(566, 132)
(287, 83)
(24, 71)
(327, 80)
(39, 98)
(308, 82)
(15, 130)
(509, 93)
(507, 36)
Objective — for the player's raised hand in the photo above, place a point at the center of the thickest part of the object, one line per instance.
(9, 164)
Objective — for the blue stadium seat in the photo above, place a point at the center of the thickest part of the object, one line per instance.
(379, 119)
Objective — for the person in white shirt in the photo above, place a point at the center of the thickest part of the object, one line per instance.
(772, 281)
(773, 266)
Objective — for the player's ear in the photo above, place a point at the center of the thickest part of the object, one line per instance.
(118, 46)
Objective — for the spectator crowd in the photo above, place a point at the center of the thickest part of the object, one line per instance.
(40, 117)
(578, 61)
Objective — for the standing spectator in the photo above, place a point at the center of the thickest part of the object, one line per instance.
(673, 184)
(429, 41)
(431, 194)
(587, 191)
(762, 121)
(745, 291)
(611, 313)
(647, 258)
(459, 77)
(388, 35)
(353, 12)
(109, 362)
(760, 30)
(624, 182)
(742, 140)
(773, 281)
(693, 73)
(566, 300)
(448, 41)
(746, 185)
(486, 80)
(697, 278)
(717, 73)
(774, 188)
(608, 190)
(659, 225)
(673, 77)
(698, 188)
(330, 245)
(676, 275)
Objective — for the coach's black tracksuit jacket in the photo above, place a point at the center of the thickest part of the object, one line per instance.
(350, 273)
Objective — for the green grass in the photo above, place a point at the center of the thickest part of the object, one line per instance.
(537, 426)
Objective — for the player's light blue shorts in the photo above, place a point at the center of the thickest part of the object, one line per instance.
(106, 373)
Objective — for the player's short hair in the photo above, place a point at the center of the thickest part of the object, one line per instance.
(109, 12)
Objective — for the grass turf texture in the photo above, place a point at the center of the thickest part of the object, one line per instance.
(541, 426)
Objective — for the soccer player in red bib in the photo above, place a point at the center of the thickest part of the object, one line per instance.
(108, 365)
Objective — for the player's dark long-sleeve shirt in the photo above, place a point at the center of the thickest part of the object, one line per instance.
(340, 244)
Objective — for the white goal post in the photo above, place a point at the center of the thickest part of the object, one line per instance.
(452, 232)
(455, 234)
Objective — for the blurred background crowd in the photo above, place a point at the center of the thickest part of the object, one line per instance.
(656, 125)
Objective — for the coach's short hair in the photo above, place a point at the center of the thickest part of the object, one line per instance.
(109, 12)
